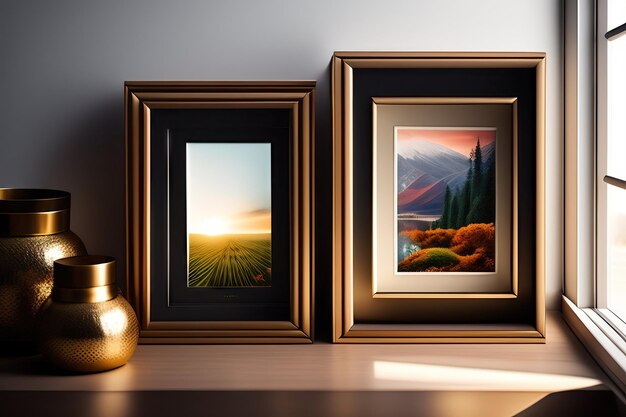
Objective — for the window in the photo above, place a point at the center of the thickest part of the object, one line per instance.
(611, 161)
(595, 145)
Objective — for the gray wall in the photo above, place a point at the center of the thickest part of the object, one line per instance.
(63, 63)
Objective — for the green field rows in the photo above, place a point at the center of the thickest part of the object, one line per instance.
(230, 260)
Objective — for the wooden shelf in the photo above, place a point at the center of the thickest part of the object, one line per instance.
(268, 378)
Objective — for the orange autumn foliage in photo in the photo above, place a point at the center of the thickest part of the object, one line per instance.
(438, 238)
(476, 262)
(474, 238)
(468, 249)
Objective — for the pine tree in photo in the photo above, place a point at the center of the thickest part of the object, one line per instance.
(454, 211)
(489, 186)
(466, 197)
(477, 177)
(483, 208)
(444, 221)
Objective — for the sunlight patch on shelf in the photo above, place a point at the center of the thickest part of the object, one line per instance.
(453, 377)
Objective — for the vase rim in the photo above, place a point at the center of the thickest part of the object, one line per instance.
(33, 211)
(85, 271)
(33, 200)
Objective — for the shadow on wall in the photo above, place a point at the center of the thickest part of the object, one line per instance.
(88, 161)
(323, 207)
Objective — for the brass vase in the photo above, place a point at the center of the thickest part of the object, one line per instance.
(34, 232)
(86, 325)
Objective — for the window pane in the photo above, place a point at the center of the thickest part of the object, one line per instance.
(616, 146)
(616, 13)
(616, 250)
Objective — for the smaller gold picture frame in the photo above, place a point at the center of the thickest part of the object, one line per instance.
(510, 309)
(171, 130)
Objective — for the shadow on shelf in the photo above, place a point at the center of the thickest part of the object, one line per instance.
(598, 403)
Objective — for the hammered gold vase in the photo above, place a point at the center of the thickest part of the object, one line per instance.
(86, 325)
(34, 232)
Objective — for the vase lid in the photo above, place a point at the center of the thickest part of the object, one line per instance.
(33, 212)
(89, 278)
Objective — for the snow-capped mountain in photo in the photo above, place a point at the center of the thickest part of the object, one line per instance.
(425, 169)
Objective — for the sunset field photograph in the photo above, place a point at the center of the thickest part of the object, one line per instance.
(229, 219)
(445, 207)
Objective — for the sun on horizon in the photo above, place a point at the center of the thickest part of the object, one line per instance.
(229, 188)
(255, 224)
(214, 226)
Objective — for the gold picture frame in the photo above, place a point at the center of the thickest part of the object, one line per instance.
(153, 110)
(360, 82)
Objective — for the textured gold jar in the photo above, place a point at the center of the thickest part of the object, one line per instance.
(86, 325)
(34, 232)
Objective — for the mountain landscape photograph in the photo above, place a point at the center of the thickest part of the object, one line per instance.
(229, 217)
(445, 207)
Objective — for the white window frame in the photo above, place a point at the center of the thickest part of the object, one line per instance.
(601, 146)
(579, 74)
(585, 284)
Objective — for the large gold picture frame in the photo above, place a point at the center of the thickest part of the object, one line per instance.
(143, 101)
(361, 81)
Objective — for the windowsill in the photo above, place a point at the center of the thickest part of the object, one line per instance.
(600, 339)
(326, 379)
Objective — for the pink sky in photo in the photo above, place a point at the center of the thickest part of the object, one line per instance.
(460, 140)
